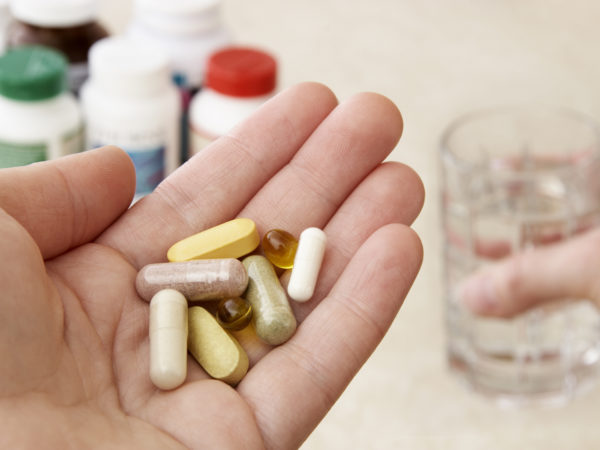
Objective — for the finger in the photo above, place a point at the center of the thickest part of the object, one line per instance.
(214, 186)
(67, 202)
(344, 149)
(311, 370)
(31, 319)
(537, 276)
(392, 193)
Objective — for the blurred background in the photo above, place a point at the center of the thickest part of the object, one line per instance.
(436, 60)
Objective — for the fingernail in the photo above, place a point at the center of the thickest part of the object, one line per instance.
(477, 294)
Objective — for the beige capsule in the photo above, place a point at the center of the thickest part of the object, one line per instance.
(216, 350)
(272, 315)
(205, 279)
(168, 339)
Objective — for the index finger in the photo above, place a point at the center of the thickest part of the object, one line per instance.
(215, 185)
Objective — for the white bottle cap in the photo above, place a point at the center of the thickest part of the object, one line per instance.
(55, 13)
(178, 16)
(122, 66)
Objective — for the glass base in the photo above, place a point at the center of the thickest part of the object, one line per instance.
(534, 386)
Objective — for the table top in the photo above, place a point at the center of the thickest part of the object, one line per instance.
(435, 60)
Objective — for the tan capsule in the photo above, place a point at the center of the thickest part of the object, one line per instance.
(206, 279)
(217, 351)
(168, 339)
(272, 315)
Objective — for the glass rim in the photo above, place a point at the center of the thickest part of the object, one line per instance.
(448, 156)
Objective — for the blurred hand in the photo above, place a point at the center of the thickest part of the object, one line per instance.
(565, 270)
(74, 333)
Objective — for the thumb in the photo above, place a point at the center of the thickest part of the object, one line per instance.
(567, 270)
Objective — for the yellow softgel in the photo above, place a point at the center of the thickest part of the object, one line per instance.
(280, 247)
(231, 239)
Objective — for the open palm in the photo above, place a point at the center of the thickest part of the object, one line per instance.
(74, 333)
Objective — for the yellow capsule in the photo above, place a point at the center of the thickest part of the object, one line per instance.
(280, 247)
(231, 239)
(234, 313)
(216, 350)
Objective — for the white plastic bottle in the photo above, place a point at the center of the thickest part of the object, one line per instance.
(40, 119)
(129, 101)
(188, 31)
(238, 81)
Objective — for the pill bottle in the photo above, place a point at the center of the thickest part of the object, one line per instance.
(188, 31)
(129, 101)
(238, 80)
(40, 118)
(66, 25)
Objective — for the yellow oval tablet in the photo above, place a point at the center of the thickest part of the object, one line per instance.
(217, 351)
(231, 239)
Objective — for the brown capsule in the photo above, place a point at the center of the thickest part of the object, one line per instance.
(234, 313)
(202, 279)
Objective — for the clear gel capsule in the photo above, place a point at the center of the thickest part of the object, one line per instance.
(217, 351)
(272, 315)
(168, 339)
(231, 239)
(205, 279)
(279, 247)
(307, 263)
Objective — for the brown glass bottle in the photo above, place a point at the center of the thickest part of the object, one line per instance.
(51, 24)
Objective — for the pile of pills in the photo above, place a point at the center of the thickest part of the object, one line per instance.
(205, 268)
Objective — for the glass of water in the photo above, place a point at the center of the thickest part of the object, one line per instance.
(513, 179)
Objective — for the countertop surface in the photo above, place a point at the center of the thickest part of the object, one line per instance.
(435, 59)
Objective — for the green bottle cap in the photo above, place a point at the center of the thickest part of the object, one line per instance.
(32, 73)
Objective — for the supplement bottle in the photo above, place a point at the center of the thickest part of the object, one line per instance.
(188, 31)
(238, 81)
(129, 101)
(40, 118)
(66, 25)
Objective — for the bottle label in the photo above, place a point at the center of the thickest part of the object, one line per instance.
(149, 168)
(12, 154)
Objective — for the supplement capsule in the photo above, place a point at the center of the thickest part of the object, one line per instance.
(206, 279)
(217, 351)
(307, 263)
(279, 247)
(272, 315)
(231, 239)
(234, 313)
(168, 339)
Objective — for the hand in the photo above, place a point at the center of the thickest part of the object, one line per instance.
(564, 270)
(74, 333)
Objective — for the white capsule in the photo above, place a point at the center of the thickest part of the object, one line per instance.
(307, 263)
(168, 339)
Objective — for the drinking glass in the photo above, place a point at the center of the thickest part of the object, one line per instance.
(514, 179)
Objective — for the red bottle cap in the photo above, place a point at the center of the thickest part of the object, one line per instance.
(241, 72)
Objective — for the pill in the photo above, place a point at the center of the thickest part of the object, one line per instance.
(307, 263)
(234, 313)
(204, 279)
(216, 350)
(279, 247)
(168, 339)
(231, 239)
(272, 315)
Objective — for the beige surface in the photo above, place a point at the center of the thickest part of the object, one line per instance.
(434, 59)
